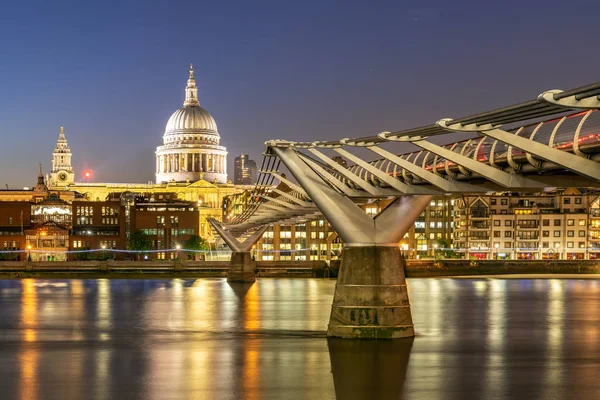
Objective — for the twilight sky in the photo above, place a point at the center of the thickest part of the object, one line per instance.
(113, 72)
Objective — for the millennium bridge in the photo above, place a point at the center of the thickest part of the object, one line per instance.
(550, 141)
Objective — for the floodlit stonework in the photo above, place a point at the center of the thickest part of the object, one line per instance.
(191, 149)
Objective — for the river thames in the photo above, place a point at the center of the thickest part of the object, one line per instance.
(207, 339)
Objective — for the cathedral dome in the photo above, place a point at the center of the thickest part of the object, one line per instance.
(191, 149)
(191, 119)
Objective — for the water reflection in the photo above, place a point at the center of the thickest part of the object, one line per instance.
(369, 369)
(176, 339)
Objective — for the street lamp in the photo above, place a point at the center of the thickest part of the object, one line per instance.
(28, 252)
(435, 246)
(178, 247)
(556, 245)
(496, 245)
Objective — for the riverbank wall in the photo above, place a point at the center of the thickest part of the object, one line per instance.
(303, 269)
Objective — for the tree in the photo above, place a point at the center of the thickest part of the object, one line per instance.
(194, 244)
(444, 250)
(139, 241)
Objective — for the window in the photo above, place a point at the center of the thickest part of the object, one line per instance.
(439, 224)
(582, 222)
(479, 210)
(432, 236)
(545, 222)
(182, 232)
(507, 234)
(84, 215)
(321, 235)
(419, 225)
(569, 245)
(174, 220)
(507, 245)
(545, 233)
(581, 233)
(496, 234)
(581, 245)
(566, 200)
(10, 220)
(432, 224)
(545, 244)
(570, 222)
(503, 202)
(110, 212)
(556, 233)
(577, 200)
(432, 203)
(160, 220)
(497, 222)
(372, 210)
(493, 202)
(570, 233)
(556, 245)
(507, 222)
(557, 222)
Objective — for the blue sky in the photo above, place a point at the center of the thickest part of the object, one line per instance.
(113, 72)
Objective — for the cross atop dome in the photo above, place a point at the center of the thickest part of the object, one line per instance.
(191, 91)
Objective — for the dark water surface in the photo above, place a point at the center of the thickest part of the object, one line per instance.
(207, 339)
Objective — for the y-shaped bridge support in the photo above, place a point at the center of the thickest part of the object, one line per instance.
(242, 267)
(371, 298)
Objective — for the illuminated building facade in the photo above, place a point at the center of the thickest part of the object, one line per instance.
(555, 225)
(191, 149)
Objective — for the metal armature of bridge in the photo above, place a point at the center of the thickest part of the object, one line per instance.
(551, 141)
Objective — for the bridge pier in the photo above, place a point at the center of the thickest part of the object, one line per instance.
(371, 299)
(242, 268)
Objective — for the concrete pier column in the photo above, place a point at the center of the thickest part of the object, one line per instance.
(371, 298)
(242, 267)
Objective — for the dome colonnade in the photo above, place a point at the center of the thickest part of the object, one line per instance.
(191, 149)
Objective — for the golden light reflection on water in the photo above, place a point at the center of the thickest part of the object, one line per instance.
(29, 316)
(251, 372)
(252, 309)
(29, 356)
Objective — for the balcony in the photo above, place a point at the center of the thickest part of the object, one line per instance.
(528, 237)
(479, 238)
(480, 225)
(528, 226)
(479, 214)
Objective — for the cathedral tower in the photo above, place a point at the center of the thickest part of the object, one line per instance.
(62, 172)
